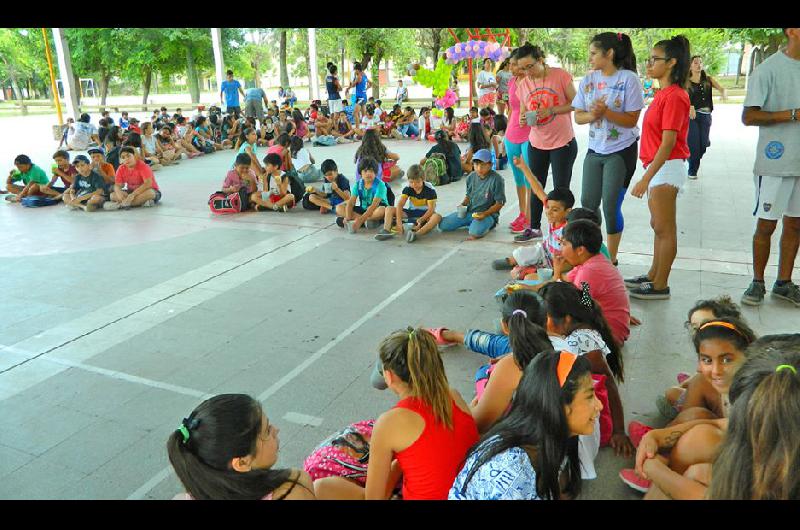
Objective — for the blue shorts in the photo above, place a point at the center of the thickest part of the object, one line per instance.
(413, 214)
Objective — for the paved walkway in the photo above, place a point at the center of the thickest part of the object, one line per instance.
(116, 324)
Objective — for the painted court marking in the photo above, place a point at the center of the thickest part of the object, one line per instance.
(302, 419)
(299, 369)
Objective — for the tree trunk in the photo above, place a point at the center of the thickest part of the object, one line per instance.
(191, 74)
(256, 64)
(522, 35)
(18, 92)
(282, 53)
(437, 44)
(148, 79)
(376, 77)
(311, 74)
(78, 87)
(739, 66)
(365, 59)
(105, 78)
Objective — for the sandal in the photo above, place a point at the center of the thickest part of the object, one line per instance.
(437, 334)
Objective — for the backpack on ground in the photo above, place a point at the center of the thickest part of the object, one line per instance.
(325, 140)
(296, 186)
(226, 203)
(344, 454)
(36, 201)
(435, 169)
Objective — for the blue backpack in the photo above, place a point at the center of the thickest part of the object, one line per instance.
(36, 201)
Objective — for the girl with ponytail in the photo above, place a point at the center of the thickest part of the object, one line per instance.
(333, 87)
(225, 450)
(424, 438)
(663, 155)
(610, 99)
(576, 323)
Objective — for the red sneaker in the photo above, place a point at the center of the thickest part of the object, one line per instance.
(437, 334)
(636, 432)
(516, 220)
(629, 477)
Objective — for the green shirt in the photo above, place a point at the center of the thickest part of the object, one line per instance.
(34, 174)
(604, 251)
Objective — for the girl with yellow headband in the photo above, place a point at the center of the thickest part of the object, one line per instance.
(721, 346)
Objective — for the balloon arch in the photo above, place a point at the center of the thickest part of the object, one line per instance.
(481, 45)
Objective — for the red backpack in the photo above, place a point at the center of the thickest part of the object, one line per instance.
(224, 203)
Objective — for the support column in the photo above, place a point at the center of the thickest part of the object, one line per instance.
(219, 65)
(313, 78)
(65, 72)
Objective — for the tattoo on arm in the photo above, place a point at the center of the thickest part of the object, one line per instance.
(672, 439)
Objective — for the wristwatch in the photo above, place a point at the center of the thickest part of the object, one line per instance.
(794, 114)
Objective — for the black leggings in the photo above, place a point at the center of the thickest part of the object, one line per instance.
(561, 160)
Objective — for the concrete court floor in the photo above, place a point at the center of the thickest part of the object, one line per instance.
(116, 324)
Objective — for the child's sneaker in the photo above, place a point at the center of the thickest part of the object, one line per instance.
(350, 225)
(410, 236)
(636, 432)
(275, 207)
(520, 227)
(502, 265)
(110, 206)
(528, 236)
(754, 295)
(149, 203)
(516, 220)
(788, 291)
(383, 235)
(437, 334)
(373, 223)
(340, 222)
(629, 477)
(285, 208)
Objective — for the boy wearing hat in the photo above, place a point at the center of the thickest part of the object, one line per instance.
(485, 198)
(88, 190)
(103, 168)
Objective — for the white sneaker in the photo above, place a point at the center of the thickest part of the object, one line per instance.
(350, 228)
(184, 156)
(148, 204)
(110, 206)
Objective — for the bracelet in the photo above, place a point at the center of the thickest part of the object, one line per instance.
(794, 114)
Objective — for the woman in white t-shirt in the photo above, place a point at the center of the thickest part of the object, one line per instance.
(82, 134)
(303, 162)
(487, 86)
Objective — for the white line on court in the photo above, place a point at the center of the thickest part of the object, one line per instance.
(164, 473)
(302, 419)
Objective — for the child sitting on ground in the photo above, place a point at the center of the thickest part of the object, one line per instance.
(275, 185)
(134, 184)
(722, 348)
(281, 148)
(339, 190)
(421, 210)
(696, 391)
(32, 177)
(370, 193)
(88, 190)
(226, 450)
(532, 453)
(423, 438)
(526, 260)
(373, 147)
(477, 142)
(61, 169)
(103, 168)
(241, 179)
(462, 129)
(248, 147)
(123, 120)
(303, 162)
(425, 127)
(485, 197)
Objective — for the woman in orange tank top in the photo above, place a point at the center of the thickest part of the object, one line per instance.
(424, 438)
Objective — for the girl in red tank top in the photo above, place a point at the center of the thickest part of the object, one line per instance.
(424, 438)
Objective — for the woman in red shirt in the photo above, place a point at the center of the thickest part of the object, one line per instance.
(663, 154)
(424, 438)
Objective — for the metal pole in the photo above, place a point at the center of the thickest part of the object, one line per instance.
(471, 90)
(52, 77)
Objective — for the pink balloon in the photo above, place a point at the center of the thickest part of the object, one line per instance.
(457, 48)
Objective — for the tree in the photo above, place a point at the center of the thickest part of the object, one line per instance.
(95, 51)
(282, 56)
(18, 59)
(431, 39)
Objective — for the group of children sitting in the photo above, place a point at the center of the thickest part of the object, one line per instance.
(543, 406)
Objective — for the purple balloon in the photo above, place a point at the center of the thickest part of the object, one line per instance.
(482, 44)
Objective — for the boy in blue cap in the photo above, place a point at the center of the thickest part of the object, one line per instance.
(486, 196)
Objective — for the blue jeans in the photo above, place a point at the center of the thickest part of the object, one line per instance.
(409, 129)
(477, 228)
(488, 344)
